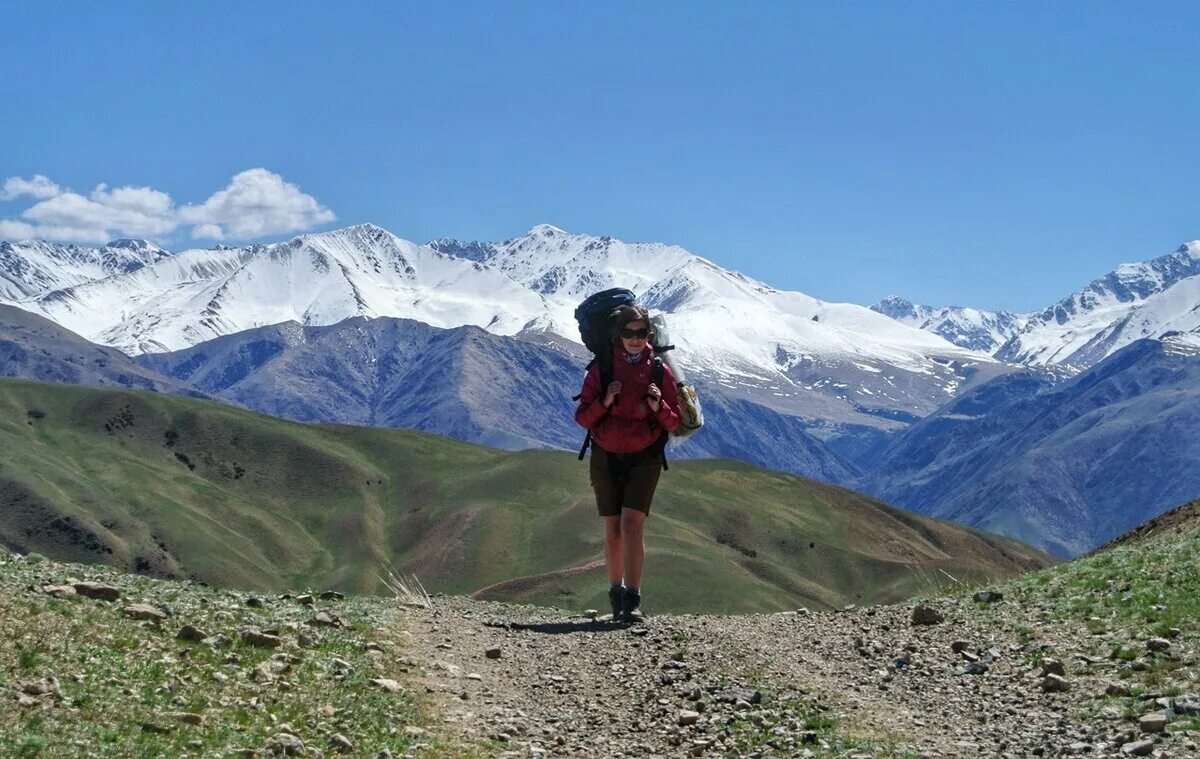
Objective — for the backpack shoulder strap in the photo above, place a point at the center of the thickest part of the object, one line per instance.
(656, 376)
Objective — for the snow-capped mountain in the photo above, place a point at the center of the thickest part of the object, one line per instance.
(970, 328)
(1132, 302)
(34, 267)
(837, 365)
(315, 280)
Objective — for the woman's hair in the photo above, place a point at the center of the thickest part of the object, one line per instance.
(626, 314)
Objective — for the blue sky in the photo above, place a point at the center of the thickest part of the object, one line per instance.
(985, 154)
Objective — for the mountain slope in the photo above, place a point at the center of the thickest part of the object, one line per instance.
(1064, 465)
(32, 268)
(1135, 301)
(179, 487)
(853, 376)
(983, 331)
(32, 347)
(464, 383)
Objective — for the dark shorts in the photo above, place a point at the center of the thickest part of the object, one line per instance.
(625, 480)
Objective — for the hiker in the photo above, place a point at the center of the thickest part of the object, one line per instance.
(629, 421)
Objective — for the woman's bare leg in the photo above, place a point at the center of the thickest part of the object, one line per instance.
(633, 524)
(612, 548)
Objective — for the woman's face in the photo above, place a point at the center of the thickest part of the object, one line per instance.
(634, 336)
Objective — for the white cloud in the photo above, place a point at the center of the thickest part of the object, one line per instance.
(208, 232)
(123, 212)
(39, 187)
(15, 230)
(257, 202)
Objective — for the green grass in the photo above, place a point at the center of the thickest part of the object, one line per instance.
(799, 725)
(1146, 589)
(181, 488)
(118, 675)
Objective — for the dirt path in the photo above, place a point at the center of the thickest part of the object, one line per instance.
(767, 685)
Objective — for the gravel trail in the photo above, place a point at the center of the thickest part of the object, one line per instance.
(529, 681)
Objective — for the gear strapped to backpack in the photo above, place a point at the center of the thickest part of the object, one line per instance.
(594, 317)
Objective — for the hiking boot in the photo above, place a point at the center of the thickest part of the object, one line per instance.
(616, 595)
(631, 605)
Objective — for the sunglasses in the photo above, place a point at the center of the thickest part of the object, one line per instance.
(641, 334)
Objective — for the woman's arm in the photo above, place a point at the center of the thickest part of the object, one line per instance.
(591, 400)
(668, 408)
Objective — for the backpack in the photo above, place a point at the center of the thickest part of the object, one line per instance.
(691, 415)
(594, 317)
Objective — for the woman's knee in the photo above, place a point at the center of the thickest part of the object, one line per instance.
(612, 528)
(632, 521)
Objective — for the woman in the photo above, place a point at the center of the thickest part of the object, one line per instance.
(629, 421)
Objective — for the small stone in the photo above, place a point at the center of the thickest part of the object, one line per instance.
(748, 695)
(98, 590)
(923, 614)
(415, 731)
(341, 743)
(1155, 722)
(332, 595)
(1053, 667)
(1055, 684)
(391, 686)
(260, 638)
(45, 686)
(493, 653)
(144, 612)
(1188, 703)
(975, 668)
(1116, 689)
(262, 674)
(306, 599)
(474, 676)
(690, 691)
(988, 596)
(285, 744)
(590, 613)
(1138, 748)
(959, 646)
(325, 619)
(688, 717)
(1158, 645)
(254, 602)
(188, 632)
(60, 591)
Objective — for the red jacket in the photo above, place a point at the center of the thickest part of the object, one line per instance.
(629, 426)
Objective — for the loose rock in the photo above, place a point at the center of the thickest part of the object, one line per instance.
(923, 614)
(98, 590)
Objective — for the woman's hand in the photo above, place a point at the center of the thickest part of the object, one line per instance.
(614, 389)
(653, 397)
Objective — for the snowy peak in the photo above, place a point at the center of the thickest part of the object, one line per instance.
(1133, 301)
(31, 268)
(553, 262)
(970, 328)
(903, 310)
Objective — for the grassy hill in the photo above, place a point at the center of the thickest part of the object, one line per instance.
(182, 488)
